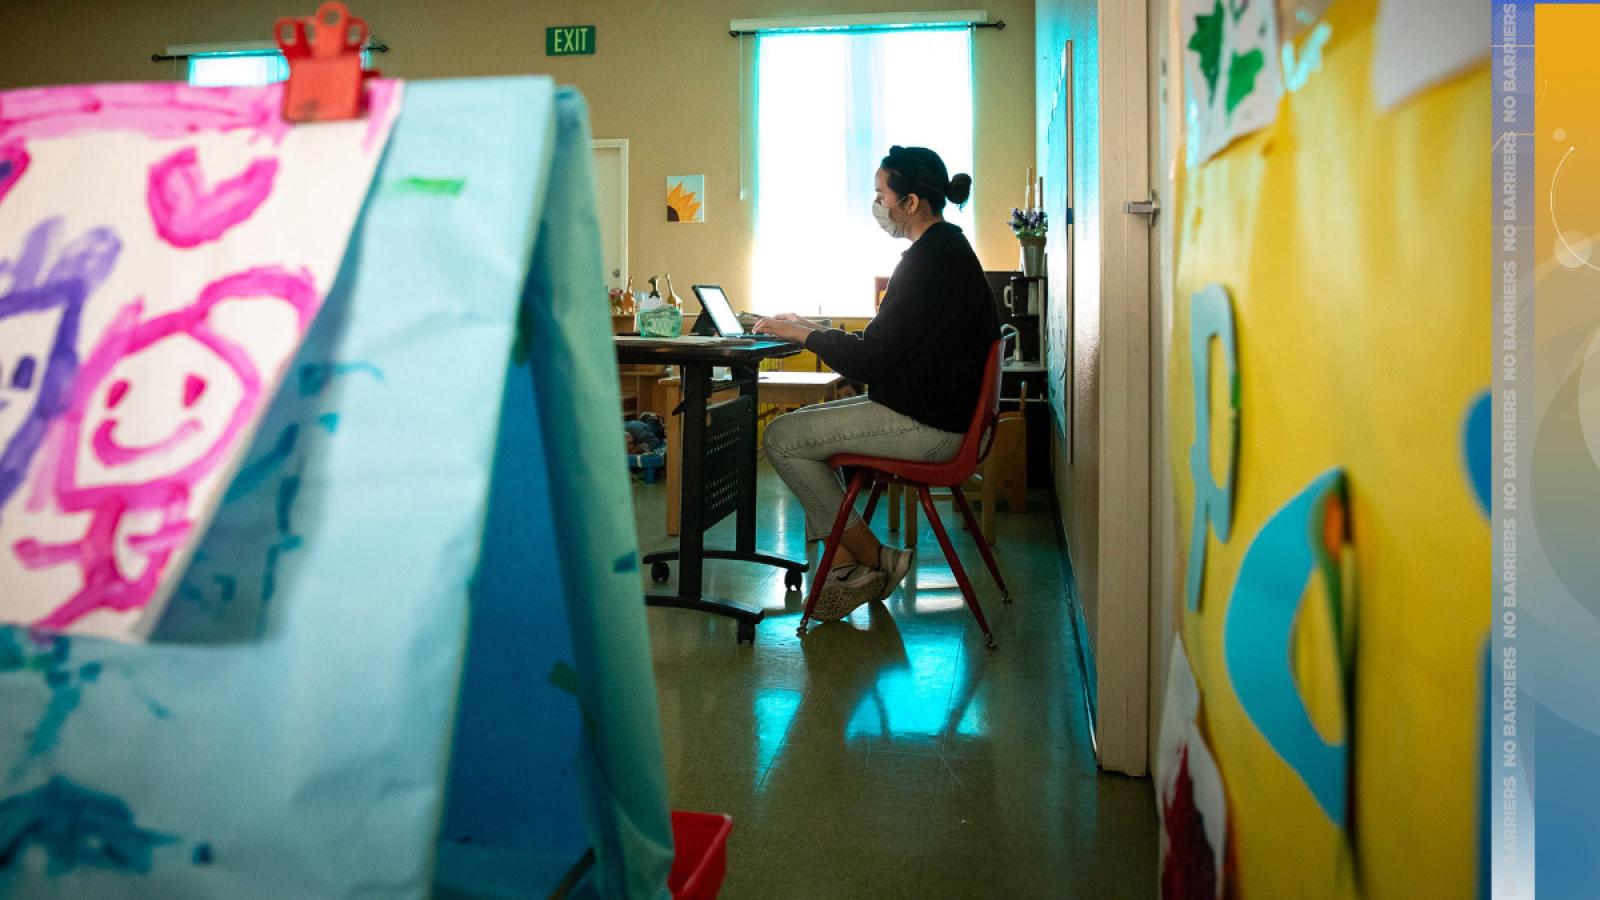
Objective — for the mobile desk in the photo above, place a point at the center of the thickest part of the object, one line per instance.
(719, 465)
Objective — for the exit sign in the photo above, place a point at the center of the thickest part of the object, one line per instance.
(569, 40)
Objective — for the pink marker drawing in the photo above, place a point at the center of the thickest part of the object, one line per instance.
(187, 213)
(13, 162)
(166, 111)
(159, 110)
(136, 492)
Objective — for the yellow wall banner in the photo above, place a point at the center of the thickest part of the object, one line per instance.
(1334, 622)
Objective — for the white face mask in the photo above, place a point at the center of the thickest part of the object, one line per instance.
(890, 227)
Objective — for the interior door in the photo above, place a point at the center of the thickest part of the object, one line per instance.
(1122, 627)
(611, 196)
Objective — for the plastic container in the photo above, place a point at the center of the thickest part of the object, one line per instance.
(656, 318)
(651, 467)
(701, 858)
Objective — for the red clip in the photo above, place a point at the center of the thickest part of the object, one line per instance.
(325, 75)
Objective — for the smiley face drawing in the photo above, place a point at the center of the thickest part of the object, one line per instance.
(156, 407)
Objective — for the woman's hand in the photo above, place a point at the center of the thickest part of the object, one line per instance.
(788, 326)
(800, 320)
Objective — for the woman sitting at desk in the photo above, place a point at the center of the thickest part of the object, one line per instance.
(922, 358)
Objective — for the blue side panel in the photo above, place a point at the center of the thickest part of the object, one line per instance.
(513, 775)
(574, 366)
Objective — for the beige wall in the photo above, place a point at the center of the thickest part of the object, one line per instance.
(1074, 268)
(664, 76)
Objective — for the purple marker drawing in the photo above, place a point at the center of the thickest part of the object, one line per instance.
(187, 214)
(36, 369)
(139, 498)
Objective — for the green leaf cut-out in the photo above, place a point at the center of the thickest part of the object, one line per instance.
(1207, 42)
(1242, 71)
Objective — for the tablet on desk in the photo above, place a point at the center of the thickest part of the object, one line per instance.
(714, 303)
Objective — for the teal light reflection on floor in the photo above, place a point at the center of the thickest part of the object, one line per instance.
(915, 699)
(774, 712)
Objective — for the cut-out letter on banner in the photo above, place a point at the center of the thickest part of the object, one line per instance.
(1210, 316)
(1304, 542)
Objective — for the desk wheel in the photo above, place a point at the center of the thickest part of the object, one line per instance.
(792, 579)
(747, 633)
(659, 572)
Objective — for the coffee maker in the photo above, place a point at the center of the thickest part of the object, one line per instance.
(1020, 303)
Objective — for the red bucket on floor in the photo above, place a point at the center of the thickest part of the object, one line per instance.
(701, 856)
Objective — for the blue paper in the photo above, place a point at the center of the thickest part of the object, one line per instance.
(1477, 448)
(1210, 316)
(1286, 553)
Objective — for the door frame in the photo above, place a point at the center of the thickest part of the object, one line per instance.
(1166, 124)
(621, 146)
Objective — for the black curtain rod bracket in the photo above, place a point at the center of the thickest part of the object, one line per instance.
(371, 47)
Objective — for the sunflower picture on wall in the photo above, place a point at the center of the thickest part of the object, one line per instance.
(686, 198)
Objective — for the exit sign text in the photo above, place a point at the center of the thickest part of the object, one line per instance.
(569, 40)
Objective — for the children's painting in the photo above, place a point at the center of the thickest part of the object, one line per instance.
(1191, 803)
(163, 249)
(1231, 78)
(686, 198)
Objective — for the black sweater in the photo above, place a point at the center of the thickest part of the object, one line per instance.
(923, 355)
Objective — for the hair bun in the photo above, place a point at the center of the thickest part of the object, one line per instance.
(960, 189)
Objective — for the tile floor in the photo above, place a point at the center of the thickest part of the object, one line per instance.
(891, 755)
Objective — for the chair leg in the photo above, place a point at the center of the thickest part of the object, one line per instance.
(872, 499)
(955, 563)
(829, 548)
(983, 545)
(894, 506)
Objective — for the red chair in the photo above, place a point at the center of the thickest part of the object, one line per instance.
(922, 476)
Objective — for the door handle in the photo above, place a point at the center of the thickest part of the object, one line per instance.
(1150, 208)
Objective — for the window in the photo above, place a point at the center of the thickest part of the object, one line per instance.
(235, 67)
(829, 105)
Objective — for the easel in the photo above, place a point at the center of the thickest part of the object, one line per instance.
(311, 753)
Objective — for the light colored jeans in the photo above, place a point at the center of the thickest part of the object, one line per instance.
(798, 445)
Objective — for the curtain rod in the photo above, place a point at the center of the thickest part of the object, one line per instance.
(373, 46)
(868, 29)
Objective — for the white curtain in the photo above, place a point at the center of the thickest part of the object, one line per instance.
(829, 107)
